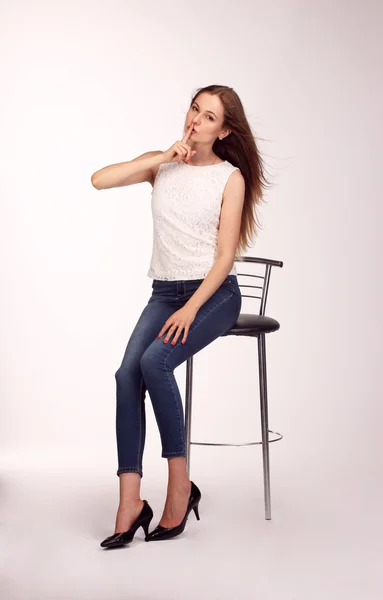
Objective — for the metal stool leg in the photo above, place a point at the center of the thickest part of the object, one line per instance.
(264, 422)
(188, 410)
(264, 418)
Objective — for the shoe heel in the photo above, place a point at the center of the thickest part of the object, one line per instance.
(195, 508)
(145, 527)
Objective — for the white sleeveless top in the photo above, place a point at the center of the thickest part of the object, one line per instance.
(186, 206)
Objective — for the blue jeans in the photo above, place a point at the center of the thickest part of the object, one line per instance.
(148, 365)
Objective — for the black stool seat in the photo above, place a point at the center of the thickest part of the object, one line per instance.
(252, 325)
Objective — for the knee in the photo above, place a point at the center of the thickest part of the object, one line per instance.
(150, 360)
(119, 375)
(144, 362)
(124, 374)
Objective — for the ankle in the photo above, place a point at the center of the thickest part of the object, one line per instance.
(129, 503)
(179, 484)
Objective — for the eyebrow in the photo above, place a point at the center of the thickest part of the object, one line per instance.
(210, 111)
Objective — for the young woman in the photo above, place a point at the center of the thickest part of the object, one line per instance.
(206, 188)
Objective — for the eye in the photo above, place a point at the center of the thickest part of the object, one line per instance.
(210, 117)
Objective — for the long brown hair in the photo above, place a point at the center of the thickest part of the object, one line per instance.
(240, 149)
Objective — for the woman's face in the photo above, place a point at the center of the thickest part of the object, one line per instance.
(207, 114)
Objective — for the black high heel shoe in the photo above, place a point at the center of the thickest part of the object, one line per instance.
(164, 533)
(122, 538)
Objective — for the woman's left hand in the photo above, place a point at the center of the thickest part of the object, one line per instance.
(182, 319)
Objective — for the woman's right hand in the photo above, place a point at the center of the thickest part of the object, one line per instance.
(180, 150)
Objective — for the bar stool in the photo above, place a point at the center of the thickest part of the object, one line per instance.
(252, 325)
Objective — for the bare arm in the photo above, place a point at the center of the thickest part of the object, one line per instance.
(138, 170)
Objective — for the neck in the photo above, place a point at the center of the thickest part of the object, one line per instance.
(203, 157)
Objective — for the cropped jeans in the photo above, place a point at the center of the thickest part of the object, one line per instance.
(148, 365)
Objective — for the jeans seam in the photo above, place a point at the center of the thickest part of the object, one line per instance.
(139, 422)
(213, 308)
(168, 355)
(175, 400)
(119, 468)
(180, 453)
(129, 470)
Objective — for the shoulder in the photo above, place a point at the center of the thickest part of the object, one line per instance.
(231, 169)
(235, 177)
(235, 184)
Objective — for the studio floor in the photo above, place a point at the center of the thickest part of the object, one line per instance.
(324, 541)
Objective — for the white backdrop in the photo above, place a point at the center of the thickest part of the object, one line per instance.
(88, 84)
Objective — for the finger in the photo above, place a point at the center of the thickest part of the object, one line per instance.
(185, 334)
(184, 148)
(169, 334)
(188, 151)
(177, 152)
(191, 153)
(181, 152)
(177, 336)
(164, 328)
(188, 132)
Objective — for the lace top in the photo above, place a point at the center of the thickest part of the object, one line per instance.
(186, 207)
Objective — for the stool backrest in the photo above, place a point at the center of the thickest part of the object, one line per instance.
(267, 263)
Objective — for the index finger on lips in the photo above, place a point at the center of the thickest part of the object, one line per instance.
(188, 132)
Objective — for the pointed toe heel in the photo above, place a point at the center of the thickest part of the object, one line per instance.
(125, 537)
(165, 533)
